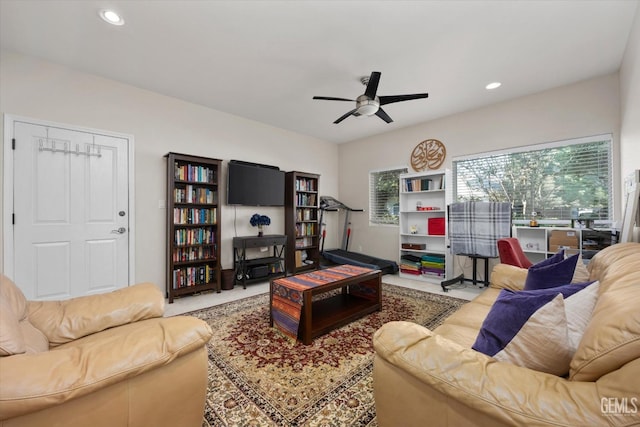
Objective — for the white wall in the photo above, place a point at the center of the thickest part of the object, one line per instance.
(586, 108)
(630, 102)
(42, 90)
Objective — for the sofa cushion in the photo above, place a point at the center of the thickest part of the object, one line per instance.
(579, 300)
(68, 320)
(527, 329)
(612, 338)
(11, 340)
(581, 274)
(551, 272)
(17, 334)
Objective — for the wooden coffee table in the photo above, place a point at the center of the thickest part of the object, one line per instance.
(360, 295)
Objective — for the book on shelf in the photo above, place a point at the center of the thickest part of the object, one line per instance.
(305, 214)
(194, 173)
(304, 242)
(192, 276)
(305, 199)
(426, 265)
(194, 236)
(306, 184)
(416, 184)
(306, 229)
(183, 216)
(194, 253)
(189, 194)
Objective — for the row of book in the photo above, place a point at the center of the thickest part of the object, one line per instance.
(306, 184)
(305, 199)
(194, 216)
(193, 276)
(416, 184)
(304, 242)
(188, 172)
(194, 253)
(189, 194)
(306, 229)
(306, 214)
(194, 236)
(427, 265)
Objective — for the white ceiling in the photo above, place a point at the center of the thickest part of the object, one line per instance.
(265, 60)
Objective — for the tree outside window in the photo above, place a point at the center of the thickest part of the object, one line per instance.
(384, 199)
(559, 183)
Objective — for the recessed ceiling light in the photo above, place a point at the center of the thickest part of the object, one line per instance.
(111, 17)
(493, 85)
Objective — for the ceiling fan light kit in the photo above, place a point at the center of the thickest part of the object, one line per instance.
(368, 103)
(366, 106)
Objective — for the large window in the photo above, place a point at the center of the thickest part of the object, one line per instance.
(384, 196)
(558, 181)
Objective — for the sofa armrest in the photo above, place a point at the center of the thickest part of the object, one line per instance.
(505, 276)
(508, 393)
(32, 382)
(64, 321)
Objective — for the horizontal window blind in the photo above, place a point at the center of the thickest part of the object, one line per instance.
(560, 181)
(384, 196)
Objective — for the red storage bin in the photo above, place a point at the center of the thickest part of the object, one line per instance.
(435, 226)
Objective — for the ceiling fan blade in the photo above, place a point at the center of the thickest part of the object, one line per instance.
(345, 116)
(384, 100)
(384, 116)
(330, 98)
(372, 86)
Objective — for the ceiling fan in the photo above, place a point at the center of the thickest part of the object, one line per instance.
(368, 103)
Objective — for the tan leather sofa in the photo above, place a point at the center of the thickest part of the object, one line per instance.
(434, 378)
(102, 360)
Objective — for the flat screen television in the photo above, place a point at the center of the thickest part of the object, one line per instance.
(253, 184)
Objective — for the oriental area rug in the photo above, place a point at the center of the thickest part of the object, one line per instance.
(260, 377)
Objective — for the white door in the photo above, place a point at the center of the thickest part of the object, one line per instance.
(71, 224)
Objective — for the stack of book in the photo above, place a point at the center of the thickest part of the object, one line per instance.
(410, 264)
(432, 265)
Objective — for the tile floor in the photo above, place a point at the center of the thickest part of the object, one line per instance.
(195, 302)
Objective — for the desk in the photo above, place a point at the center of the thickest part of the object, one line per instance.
(249, 270)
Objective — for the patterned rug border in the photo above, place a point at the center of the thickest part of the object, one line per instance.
(217, 413)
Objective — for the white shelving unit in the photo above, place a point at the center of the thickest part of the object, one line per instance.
(414, 219)
(535, 241)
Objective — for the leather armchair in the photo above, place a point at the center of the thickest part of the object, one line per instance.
(100, 360)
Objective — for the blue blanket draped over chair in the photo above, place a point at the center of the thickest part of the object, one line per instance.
(474, 227)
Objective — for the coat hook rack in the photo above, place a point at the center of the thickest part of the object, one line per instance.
(50, 144)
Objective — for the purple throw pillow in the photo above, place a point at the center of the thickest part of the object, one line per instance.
(510, 311)
(551, 272)
(513, 309)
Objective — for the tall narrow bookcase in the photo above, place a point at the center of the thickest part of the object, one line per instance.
(193, 224)
(301, 221)
(423, 226)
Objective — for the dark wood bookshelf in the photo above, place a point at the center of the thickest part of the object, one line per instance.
(193, 224)
(301, 221)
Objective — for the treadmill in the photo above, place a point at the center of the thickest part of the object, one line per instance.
(344, 256)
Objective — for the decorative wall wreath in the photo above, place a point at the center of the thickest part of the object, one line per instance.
(429, 154)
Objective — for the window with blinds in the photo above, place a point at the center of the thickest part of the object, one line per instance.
(384, 202)
(555, 182)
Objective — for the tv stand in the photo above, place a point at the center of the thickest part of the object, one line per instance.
(259, 269)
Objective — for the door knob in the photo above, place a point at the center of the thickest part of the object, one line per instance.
(120, 230)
